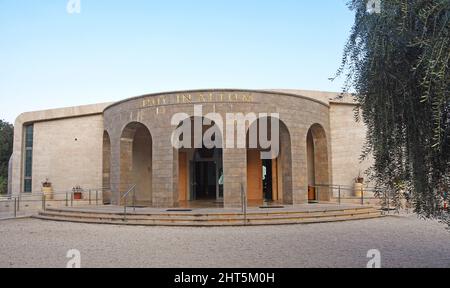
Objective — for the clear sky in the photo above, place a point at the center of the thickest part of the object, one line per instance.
(115, 49)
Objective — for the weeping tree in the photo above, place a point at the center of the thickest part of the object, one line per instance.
(396, 62)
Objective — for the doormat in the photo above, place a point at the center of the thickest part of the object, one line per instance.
(179, 210)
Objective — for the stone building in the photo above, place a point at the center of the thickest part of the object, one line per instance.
(130, 143)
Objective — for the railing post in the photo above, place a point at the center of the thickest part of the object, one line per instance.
(242, 199)
(43, 202)
(67, 199)
(388, 203)
(134, 199)
(15, 207)
(244, 204)
(71, 199)
(362, 196)
(18, 204)
(89, 196)
(96, 197)
(339, 194)
(125, 198)
(125, 209)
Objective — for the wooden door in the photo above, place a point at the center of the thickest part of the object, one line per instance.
(182, 176)
(254, 175)
(311, 193)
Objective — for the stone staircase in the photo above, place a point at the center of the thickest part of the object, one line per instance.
(210, 219)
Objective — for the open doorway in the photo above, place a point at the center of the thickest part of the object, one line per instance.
(267, 180)
(201, 171)
(206, 173)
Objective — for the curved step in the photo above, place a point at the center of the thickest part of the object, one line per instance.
(213, 219)
(152, 222)
(200, 217)
(81, 212)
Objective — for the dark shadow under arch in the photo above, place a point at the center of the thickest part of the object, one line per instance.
(106, 170)
(136, 162)
(317, 164)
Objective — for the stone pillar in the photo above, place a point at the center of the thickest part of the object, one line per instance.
(285, 160)
(235, 176)
(165, 170)
(299, 168)
(115, 170)
(126, 165)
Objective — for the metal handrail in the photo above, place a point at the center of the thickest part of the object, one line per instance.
(341, 189)
(244, 203)
(333, 191)
(125, 198)
(40, 193)
(42, 197)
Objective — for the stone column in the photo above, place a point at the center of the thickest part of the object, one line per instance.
(299, 168)
(115, 170)
(165, 170)
(235, 176)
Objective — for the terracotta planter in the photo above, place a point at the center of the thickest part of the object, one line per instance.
(78, 196)
(48, 192)
(359, 189)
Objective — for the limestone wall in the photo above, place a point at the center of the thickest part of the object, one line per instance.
(55, 154)
(347, 140)
(68, 142)
(296, 111)
(68, 152)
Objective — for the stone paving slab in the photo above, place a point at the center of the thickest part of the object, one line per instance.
(287, 208)
(403, 241)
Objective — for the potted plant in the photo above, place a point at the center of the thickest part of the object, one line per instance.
(359, 185)
(47, 189)
(77, 193)
(360, 180)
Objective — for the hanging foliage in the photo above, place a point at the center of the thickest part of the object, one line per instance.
(397, 62)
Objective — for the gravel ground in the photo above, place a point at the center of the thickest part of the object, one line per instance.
(404, 241)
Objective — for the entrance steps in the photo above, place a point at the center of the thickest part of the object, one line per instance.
(210, 219)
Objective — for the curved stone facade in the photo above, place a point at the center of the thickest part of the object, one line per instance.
(298, 114)
(119, 145)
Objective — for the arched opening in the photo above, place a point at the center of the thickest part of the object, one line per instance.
(136, 163)
(200, 166)
(106, 179)
(317, 164)
(269, 179)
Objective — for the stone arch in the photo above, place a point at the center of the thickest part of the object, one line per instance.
(317, 164)
(136, 162)
(211, 163)
(106, 167)
(280, 167)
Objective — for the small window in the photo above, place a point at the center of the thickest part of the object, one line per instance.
(29, 136)
(27, 186)
(28, 163)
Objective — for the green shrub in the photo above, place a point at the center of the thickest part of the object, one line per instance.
(3, 185)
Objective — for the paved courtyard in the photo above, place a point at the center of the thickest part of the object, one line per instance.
(404, 241)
